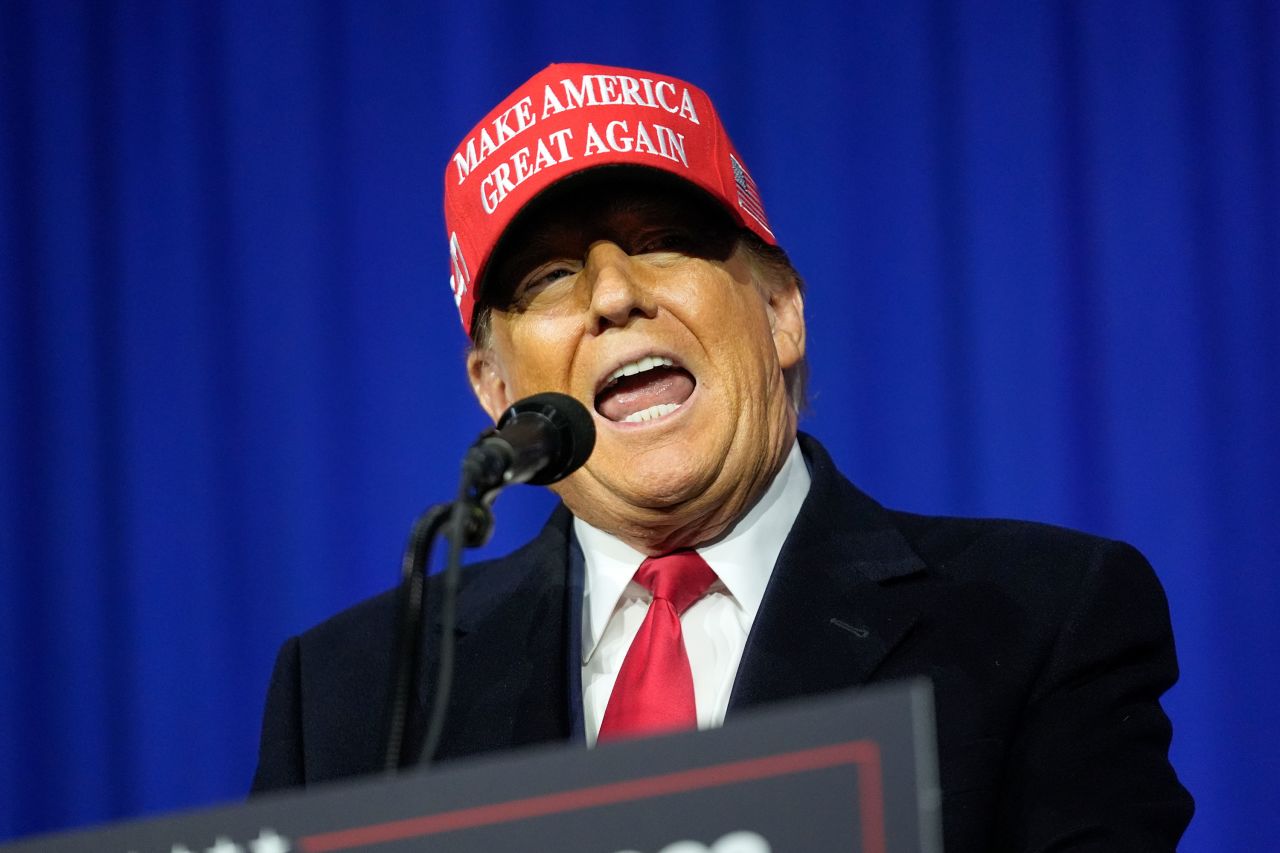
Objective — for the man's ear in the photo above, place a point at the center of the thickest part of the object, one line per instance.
(487, 382)
(786, 321)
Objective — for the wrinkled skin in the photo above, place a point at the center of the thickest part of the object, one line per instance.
(594, 279)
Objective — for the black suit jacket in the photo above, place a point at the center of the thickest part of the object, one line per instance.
(1048, 651)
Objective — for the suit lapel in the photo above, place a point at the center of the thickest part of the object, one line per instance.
(830, 615)
(510, 683)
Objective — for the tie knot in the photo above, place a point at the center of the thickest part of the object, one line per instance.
(681, 577)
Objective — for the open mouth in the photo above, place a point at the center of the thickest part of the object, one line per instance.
(646, 389)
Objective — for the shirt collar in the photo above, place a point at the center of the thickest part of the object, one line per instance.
(743, 558)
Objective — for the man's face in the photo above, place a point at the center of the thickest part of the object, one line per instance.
(639, 301)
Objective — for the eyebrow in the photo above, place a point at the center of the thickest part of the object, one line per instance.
(567, 219)
(531, 250)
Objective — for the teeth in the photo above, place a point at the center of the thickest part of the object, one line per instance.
(649, 362)
(651, 413)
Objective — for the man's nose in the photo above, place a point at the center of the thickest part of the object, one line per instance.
(618, 294)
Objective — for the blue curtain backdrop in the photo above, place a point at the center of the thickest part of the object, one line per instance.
(1043, 247)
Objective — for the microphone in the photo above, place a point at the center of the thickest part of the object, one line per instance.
(539, 440)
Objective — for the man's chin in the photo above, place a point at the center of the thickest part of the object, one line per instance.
(642, 489)
(668, 465)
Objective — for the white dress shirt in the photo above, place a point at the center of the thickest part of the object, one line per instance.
(715, 628)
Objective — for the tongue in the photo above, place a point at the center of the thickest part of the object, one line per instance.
(632, 394)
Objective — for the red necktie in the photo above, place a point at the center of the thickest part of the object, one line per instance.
(654, 690)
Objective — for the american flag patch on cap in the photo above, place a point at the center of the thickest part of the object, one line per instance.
(748, 195)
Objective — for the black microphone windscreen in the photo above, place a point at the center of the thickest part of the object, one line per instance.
(573, 429)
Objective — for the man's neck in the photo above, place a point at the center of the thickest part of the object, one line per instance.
(743, 557)
(705, 517)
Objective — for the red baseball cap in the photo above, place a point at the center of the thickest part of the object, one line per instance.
(569, 118)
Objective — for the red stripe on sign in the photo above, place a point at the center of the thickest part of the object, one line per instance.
(865, 755)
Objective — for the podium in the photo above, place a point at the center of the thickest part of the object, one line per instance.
(854, 771)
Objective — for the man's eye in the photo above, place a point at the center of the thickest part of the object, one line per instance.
(666, 241)
(544, 276)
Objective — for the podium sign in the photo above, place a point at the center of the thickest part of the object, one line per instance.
(848, 772)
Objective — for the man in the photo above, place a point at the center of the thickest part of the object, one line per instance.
(608, 243)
